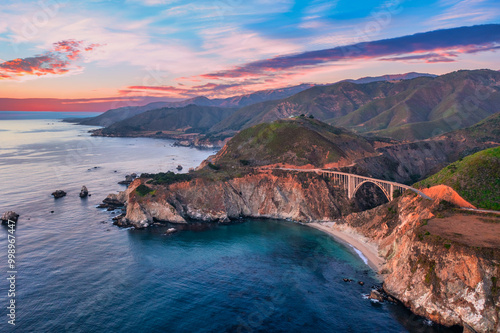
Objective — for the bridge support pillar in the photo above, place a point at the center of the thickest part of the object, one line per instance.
(391, 195)
(350, 186)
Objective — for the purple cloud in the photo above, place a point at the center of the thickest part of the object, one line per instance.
(460, 40)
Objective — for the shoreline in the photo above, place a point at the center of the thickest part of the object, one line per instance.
(368, 252)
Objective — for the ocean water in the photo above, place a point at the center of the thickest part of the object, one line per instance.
(76, 272)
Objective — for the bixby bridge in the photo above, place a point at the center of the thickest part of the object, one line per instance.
(351, 182)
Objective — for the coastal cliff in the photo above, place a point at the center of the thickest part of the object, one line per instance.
(296, 196)
(442, 264)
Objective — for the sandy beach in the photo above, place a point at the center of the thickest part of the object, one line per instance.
(367, 250)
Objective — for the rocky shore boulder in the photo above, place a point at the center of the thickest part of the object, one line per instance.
(128, 179)
(112, 201)
(10, 215)
(170, 231)
(58, 194)
(84, 192)
(376, 295)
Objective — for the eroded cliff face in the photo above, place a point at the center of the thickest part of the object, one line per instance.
(448, 281)
(299, 197)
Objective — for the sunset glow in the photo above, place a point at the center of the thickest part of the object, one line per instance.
(91, 56)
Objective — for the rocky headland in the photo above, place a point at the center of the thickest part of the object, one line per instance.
(440, 262)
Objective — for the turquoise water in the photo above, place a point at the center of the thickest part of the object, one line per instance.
(79, 273)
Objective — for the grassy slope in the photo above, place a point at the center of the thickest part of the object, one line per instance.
(297, 141)
(476, 178)
(484, 131)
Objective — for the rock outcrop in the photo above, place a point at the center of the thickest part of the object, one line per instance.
(58, 194)
(9, 216)
(300, 197)
(442, 276)
(84, 192)
(128, 179)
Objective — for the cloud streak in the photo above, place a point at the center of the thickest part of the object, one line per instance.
(209, 89)
(60, 60)
(457, 40)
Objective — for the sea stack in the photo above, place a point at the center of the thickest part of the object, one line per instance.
(84, 192)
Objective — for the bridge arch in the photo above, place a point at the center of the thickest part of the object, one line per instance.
(385, 190)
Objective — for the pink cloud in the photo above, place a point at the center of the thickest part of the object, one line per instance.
(57, 61)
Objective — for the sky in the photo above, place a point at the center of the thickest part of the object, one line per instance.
(62, 55)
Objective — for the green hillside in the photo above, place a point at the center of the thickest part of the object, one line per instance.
(297, 141)
(476, 178)
(484, 131)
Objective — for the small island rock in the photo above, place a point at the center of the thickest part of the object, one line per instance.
(84, 192)
(58, 194)
(10, 215)
(179, 167)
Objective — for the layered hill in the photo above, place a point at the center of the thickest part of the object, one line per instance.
(476, 178)
(439, 105)
(324, 102)
(115, 115)
(411, 162)
(188, 119)
(390, 77)
(408, 109)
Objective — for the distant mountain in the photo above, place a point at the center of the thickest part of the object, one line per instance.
(324, 102)
(390, 77)
(260, 96)
(115, 115)
(438, 105)
(188, 119)
(407, 109)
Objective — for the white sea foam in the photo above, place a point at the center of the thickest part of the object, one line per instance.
(360, 254)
